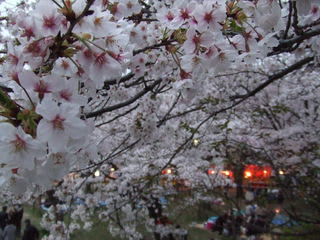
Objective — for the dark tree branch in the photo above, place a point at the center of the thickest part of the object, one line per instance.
(295, 22)
(180, 114)
(78, 19)
(289, 45)
(299, 39)
(139, 81)
(274, 77)
(155, 46)
(139, 18)
(116, 81)
(277, 76)
(123, 104)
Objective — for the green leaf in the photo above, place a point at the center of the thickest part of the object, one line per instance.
(188, 128)
(6, 102)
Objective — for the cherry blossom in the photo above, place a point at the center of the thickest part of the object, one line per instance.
(208, 16)
(64, 67)
(100, 25)
(185, 12)
(167, 16)
(196, 40)
(132, 7)
(41, 86)
(126, 89)
(18, 148)
(267, 14)
(68, 92)
(48, 20)
(59, 125)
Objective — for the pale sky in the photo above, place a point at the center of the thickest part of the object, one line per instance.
(8, 4)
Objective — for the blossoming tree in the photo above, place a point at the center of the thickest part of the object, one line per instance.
(133, 87)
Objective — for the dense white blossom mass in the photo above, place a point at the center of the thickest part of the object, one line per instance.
(126, 86)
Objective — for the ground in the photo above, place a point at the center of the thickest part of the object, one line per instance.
(190, 218)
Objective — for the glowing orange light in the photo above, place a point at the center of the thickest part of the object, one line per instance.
(277, 210)
(247, 174)
(281, 172)
(226, 172)
(211, 172)
(166, 171)
(265, 172)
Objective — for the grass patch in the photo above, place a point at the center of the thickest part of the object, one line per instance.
(34, 214)
(99, 230)
(179, 213)
(304, 231)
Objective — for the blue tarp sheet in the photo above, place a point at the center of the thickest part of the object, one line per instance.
(212, 219)
(283, 220)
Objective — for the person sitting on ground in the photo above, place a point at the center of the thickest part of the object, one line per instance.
(180, 233)
(219, 224)
(30, 231)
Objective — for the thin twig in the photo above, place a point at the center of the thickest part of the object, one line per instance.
(118, 116)
(245, 71)
(288, 21)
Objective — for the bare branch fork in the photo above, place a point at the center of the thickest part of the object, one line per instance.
(299, 39)
(163, 120)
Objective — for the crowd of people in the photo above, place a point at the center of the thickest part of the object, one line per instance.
(249, 224)
(11, 222)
